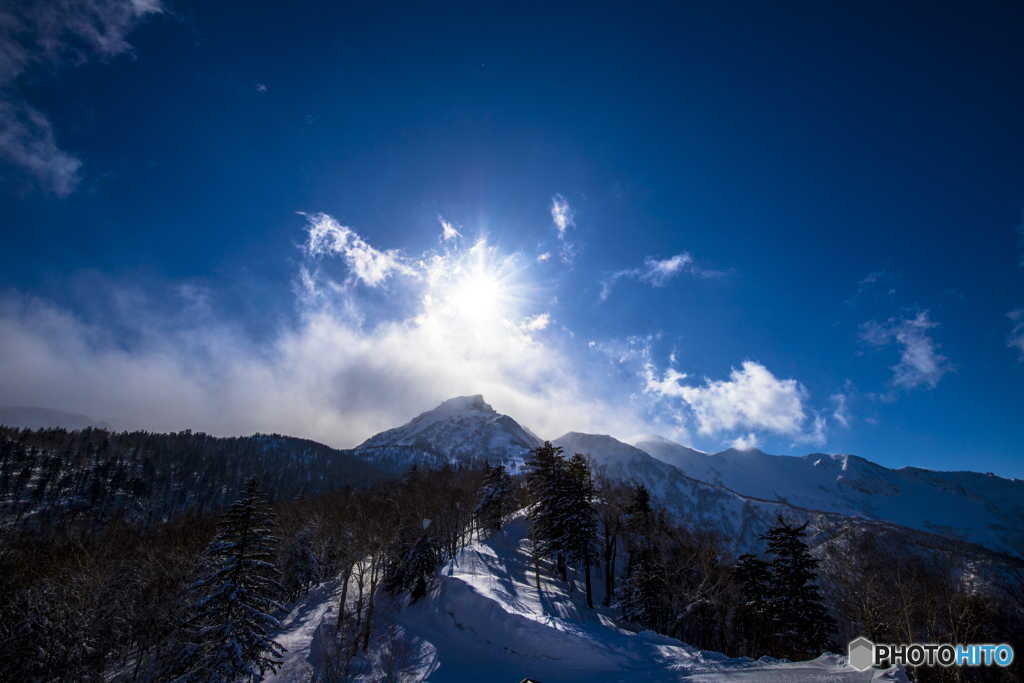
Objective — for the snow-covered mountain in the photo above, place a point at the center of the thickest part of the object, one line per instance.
(739, 518)
(982, 508)
(462, 429)
(46, 418)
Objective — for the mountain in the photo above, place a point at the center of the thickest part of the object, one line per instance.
(46, 418)
(462, 429)
(981, 508)
(738, 517)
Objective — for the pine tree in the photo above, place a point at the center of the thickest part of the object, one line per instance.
(496, 498)
(546, 482)
(578, 518)
(797, 604)
(231, 618)
(641, 599)
(421, 566)
(784, 609)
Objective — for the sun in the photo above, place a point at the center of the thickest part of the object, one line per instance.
(478, 296)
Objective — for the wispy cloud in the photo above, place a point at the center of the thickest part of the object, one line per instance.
(366, 264)
(448, 230)
(561, 214)
(53, 34)
(1016, 338)
(752, 399)
(920, 363)
(261, 87)
(879, 282)
(841, 412)
(657, 272)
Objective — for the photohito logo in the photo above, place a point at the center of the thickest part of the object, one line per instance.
(864, 654)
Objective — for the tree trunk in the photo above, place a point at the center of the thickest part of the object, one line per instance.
(590, 601)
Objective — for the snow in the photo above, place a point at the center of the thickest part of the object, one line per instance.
(460, 429)
(985, 509)
(486, 620)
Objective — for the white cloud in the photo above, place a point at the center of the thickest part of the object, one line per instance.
(745, 443)
(1016, 338)
(920, 363)
(561, 214)
(450, 232)
(53, 34)
(370, 265)
(535, 323)
(751, 399)
(841, 413)
(657, 272)
(339, 374)
(261, 87)
(541, 258)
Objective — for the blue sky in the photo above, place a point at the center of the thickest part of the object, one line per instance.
(796, 227)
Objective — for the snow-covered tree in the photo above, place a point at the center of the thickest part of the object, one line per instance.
(496, 498)
(228, 629)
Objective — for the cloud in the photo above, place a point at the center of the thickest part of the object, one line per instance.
(535, 323)
(745, 443)
(541, 258)
(1016, 338)
(340, 372)
(657, 273)
(449, 231)
(261, 87)
(751, 399)
(877, 282)
(841, 413)
(51, 34)
(26, 140)
(367, 264)
(561, 214)
(920, 363)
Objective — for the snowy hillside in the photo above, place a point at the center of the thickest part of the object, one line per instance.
(739, 518)
(460, 429)
(46, 418)
(981, 508)
(486, 620)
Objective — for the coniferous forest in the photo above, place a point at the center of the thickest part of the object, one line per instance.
(149, 557)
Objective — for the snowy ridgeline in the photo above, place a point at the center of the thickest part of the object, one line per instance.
(485, 620)
(740, 493)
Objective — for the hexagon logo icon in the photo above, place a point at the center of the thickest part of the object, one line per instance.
(862, 653)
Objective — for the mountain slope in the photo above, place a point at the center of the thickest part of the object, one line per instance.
(461, 429)
(739, 518)
(977, 507)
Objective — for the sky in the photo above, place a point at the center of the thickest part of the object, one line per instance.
(796, 226)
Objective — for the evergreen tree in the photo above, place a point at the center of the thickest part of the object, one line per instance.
(578, 518)
(496, 498)
(798, 609)
(752, 618)
(641, 599)
(547, 482)
(230, 621)
(421, 566)
(784, 609)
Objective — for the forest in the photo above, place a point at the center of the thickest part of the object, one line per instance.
(147, 557)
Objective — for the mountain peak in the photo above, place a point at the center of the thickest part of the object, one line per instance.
(461, 404)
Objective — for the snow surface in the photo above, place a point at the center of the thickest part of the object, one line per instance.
(486, 621)
(982, 508)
